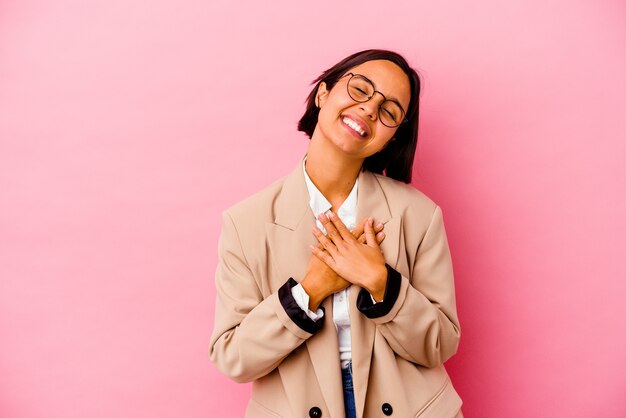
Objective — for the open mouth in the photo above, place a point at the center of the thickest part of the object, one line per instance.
(354, 128)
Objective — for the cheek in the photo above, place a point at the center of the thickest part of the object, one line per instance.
(336, 104)
(322, 117)
(384, 138)
(330, 112)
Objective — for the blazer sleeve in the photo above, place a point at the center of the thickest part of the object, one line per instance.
(252, 334)
(418, 315)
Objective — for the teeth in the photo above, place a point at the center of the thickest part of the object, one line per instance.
(354, 126)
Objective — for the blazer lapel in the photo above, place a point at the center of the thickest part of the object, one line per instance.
(372, 201)
(289, 238)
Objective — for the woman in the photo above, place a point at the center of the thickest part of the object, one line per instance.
(335, 290)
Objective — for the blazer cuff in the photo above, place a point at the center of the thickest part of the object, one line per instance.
(293, 310)
(302, 299)
(392, 290)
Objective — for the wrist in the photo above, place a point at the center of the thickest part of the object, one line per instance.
(315, 289)
(378, 283)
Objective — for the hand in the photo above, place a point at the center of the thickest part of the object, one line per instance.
(359, 233)
(321, 281)
(357, 262)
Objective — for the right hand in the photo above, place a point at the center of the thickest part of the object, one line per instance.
(321, 281)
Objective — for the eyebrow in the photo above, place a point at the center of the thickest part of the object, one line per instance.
(393, 99)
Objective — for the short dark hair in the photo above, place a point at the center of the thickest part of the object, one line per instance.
(396, 159)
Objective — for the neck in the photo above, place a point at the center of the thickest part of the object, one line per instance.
(332, 172)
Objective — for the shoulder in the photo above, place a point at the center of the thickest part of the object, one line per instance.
(258, 206)
(417, 212)
(405, 198)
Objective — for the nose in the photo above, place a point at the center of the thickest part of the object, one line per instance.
(371, 106)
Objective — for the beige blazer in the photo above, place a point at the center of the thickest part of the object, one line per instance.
(397, 358)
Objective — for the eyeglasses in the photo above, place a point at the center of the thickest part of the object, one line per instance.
(361, 89)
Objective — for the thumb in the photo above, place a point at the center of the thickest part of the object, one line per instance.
(370, 235)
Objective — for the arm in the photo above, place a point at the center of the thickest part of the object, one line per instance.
(251, 335)
(418, 314)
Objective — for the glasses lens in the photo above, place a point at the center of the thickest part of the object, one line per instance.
(360, 89)
(391, 114)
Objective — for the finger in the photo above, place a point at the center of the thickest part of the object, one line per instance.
(370, 235)
(380, 237)
(323, 255)
(357, 231)
(377, 229)
(331, 231)
(324, 240)
(341, 227)
(320, 246)
(361, 228)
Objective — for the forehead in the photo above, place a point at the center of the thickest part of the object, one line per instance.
(388, 78)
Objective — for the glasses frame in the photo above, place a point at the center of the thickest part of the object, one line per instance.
(404, 119)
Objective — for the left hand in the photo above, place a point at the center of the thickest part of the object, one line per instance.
(359, 263)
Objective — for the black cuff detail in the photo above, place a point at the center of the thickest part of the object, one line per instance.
(392, 290)
(295, 312)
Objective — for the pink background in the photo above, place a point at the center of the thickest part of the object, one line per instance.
(127, 127)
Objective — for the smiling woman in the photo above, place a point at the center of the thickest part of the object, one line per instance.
(335, 290)
(352, 101)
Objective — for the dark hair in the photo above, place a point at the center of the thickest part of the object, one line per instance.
(396, 159)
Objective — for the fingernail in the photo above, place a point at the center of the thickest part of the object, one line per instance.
(379, 225)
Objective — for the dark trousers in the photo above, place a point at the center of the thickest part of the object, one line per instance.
(348, 392)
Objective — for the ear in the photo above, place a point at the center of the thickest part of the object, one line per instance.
(321, 95)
